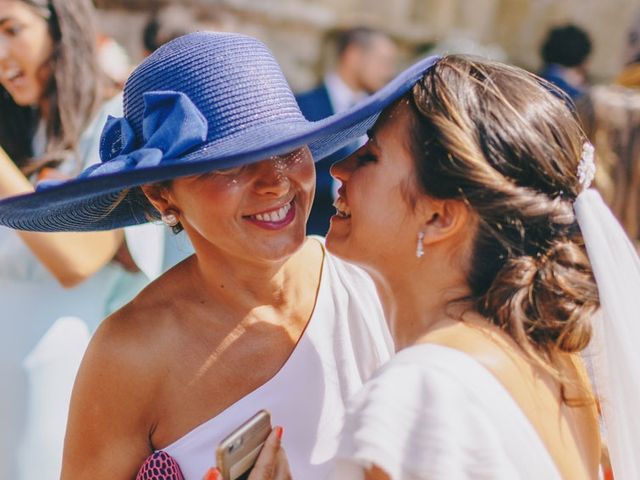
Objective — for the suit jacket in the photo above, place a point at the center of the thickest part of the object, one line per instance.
(315, 105)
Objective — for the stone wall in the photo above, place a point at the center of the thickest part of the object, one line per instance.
(296, 30)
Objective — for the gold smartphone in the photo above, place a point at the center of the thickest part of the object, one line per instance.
(237, 453)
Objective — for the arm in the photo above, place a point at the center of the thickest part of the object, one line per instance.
(111, 412)
(71, 257)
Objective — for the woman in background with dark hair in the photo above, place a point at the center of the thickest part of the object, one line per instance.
(54, 288)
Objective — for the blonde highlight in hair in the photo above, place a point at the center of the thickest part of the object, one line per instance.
(497, 138)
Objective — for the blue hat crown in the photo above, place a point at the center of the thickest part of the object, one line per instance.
(232, 80)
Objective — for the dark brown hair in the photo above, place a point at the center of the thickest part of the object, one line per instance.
(495, 137)
(73, 92)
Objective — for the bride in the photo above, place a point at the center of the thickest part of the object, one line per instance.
(470, 207)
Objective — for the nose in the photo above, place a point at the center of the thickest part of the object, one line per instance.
(272, 177)
(342, 169)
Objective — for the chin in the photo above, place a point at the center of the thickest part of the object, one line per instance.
(285, 247)
(25, 100)
(344, 248)
(338, 246)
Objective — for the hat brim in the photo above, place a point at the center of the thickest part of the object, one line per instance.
(109, 201)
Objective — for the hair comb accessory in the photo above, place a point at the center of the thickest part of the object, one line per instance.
(586, 166)
(160, 466)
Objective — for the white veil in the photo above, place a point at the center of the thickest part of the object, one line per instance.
(615, 346)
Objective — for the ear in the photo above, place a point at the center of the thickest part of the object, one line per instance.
(160, 197)
(446, 219)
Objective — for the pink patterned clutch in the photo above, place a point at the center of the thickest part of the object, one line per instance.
(159, 466)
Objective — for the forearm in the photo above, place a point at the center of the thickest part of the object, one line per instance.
(71, 257)
(12, 180)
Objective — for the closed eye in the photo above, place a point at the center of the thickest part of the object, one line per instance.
(365, 157)
(230, 171)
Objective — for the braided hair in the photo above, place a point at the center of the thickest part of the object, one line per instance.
(494, 137)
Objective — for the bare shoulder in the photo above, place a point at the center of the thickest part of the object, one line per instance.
(116, 400)
(126, 355)
(121, 361)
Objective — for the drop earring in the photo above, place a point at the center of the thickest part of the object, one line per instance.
(420, 246)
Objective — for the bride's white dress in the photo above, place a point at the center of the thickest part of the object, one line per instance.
(433, 412)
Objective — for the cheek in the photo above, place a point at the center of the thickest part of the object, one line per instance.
(205, 198)
(305, 174)
(36, 46)
(380, 205)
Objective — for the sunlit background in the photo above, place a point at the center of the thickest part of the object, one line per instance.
(298, 30)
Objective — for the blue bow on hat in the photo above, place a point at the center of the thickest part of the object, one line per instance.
(171, 126)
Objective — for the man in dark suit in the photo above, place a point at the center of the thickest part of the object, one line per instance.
(565, 53)
(366, 61)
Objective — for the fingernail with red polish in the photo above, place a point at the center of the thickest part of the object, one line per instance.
(279, 432)
(213, 474)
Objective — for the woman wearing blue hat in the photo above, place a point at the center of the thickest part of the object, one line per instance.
(212, 142)
(54, 288)
(471, 206)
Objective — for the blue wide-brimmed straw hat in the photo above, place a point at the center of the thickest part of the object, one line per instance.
(201, 102)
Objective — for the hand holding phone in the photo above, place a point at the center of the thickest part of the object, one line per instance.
(236, 454)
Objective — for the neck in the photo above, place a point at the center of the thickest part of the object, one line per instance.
(243, 285)
(44, 108)
(349, 78)
(419, 298)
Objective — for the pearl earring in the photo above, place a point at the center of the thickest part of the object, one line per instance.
(420, 246)
(169, 219)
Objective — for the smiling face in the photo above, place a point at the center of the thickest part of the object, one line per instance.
(25, 48)
(255, 211)
(375, 224)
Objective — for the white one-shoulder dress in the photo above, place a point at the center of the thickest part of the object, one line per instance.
(434, 413)
(345, 342)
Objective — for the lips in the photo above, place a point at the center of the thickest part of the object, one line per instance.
(13, 78)
(275, 218)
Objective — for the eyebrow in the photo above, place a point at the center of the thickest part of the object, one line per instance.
(4, 20)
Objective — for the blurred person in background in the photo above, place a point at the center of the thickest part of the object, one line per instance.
(166, 24)
(113, 59)
(366, 60)
(565, 53)
(630, 75)
(611, 118)
(54, 288)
